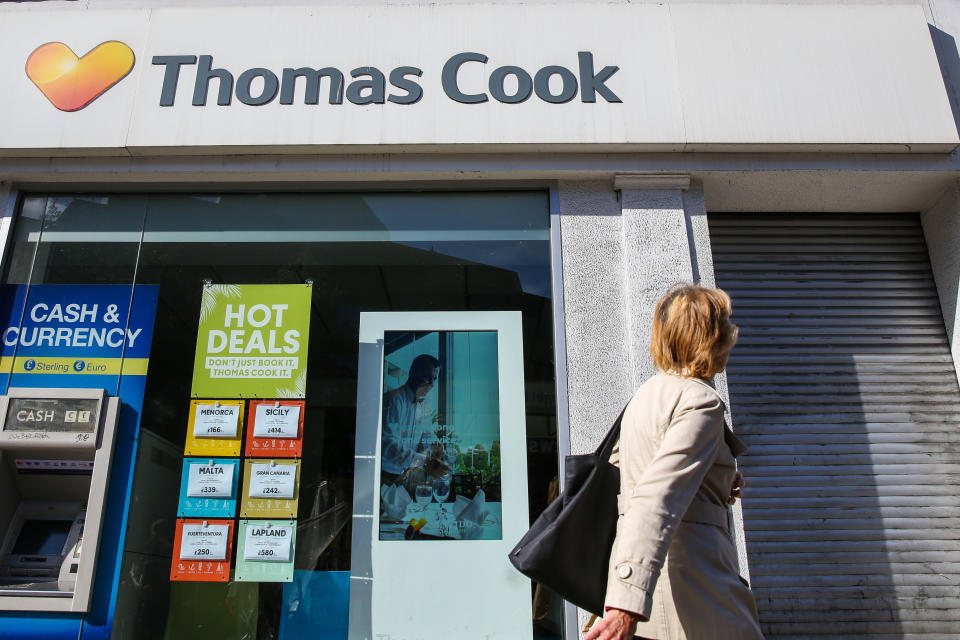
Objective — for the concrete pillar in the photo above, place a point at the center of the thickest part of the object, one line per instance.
(656, 254)
(598, 370)
(666, 241)
(941, 227)
(599, 380)
(621, 250)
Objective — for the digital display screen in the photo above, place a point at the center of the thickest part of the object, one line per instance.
(42, 537)
(440, 436)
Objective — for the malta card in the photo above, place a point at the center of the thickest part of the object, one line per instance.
(209, 487)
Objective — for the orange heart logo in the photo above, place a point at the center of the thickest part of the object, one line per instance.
(418, 524)
(71, 83)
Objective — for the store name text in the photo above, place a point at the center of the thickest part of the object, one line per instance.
(507, 84)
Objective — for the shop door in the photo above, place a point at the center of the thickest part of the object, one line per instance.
(843, 385)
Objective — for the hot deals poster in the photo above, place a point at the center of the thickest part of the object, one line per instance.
(252, 341)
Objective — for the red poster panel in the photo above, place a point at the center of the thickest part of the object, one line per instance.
(202, 551)
(275, 429)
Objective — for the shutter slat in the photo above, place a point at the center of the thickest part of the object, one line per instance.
(815, 593)
(814, 536)
(846, 478)
(828, 491)
(790, 437)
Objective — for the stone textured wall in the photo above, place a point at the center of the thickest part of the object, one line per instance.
(656, 256)
(598, 366)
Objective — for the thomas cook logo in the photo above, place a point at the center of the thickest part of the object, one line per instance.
(69, 82)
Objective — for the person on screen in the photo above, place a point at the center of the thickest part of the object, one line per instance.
(407, 424)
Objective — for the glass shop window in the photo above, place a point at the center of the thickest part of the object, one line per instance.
(359, 252)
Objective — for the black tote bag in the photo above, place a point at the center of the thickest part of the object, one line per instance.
(568, 547)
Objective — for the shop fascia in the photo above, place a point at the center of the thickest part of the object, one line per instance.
(259, 86)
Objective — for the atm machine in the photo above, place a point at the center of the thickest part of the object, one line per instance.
(56, 447)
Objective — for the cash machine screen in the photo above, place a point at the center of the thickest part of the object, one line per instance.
(42, 537)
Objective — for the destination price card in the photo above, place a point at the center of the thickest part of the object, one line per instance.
(266, 550)
(216, 420)
(270, 480)
(267, 542)
(214, 428)
(208, 480)
(202, 550)
(275, 428)
(204, 541)
(270, 488)
(208, 488)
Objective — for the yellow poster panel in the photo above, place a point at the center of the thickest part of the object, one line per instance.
(271, 488)
(215, 428)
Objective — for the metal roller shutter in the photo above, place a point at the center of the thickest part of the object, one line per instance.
(843, 385)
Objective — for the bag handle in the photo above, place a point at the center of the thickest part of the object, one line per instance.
(613, 435)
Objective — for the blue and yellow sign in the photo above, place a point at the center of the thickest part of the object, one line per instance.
(76, 335)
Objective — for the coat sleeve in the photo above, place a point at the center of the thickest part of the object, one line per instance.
(651, 510)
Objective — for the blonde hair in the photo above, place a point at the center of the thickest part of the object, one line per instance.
(692, 332)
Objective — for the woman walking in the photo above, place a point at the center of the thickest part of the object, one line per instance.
(673, 567)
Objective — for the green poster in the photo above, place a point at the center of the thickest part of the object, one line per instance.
(252, 341)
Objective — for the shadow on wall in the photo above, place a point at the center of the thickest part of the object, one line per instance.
(949, 59)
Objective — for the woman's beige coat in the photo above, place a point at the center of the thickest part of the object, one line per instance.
(673, 561)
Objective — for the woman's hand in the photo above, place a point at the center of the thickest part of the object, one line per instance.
(736, 489)
(615, 625)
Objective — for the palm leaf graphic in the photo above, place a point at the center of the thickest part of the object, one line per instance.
(211, 293)
(299, 389)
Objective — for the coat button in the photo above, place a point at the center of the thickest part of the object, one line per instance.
(624, 571)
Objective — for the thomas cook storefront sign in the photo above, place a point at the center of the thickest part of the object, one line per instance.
(70, 82)
(427, 77)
